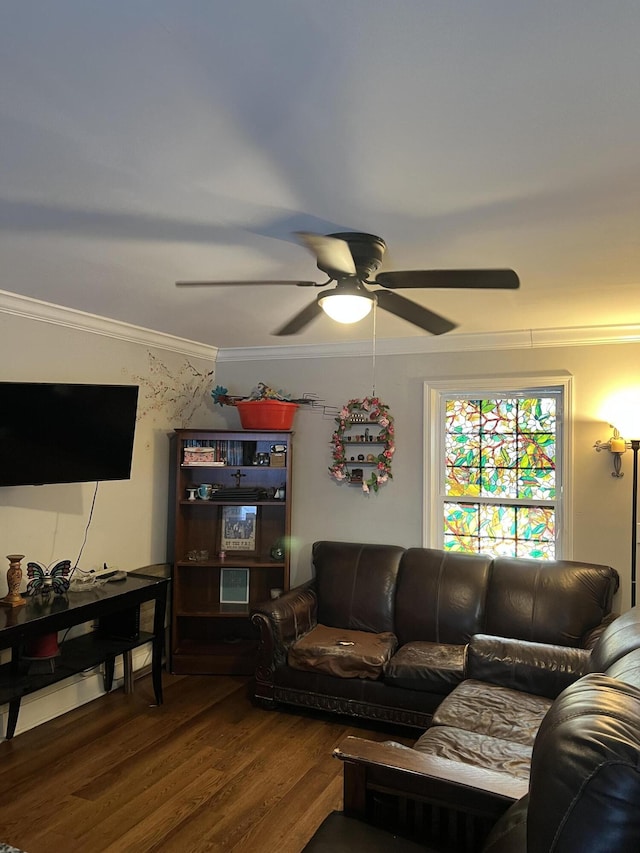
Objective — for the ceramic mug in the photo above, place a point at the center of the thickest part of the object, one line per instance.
(204, 491)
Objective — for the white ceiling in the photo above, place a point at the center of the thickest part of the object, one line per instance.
(148, 141)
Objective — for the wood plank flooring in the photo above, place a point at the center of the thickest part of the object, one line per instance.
(206, 771)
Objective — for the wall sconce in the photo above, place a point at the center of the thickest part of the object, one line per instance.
(616, 445)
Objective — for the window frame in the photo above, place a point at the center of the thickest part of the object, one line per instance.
(486, 387)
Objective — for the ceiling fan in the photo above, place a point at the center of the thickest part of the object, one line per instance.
(350, 259)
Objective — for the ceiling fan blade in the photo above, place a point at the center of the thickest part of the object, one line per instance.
(501, 279)
(413, 313)
(332, 254)
(300, 320)
(241, 283)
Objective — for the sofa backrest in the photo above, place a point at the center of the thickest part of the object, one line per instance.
(441, 596)
(585, 771)
(618, 639)
(356, 584)
(617, 652)
(445, 596)
(585, 776)
(547, 601)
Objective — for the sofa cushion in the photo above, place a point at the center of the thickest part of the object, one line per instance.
(441, 596)
(434, 667)
(478, 750)
(539, 668)
(356, 584)
(488, 709)
(547, 601)
(343, 653)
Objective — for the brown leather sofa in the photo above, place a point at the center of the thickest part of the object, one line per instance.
(580, 793)
(381, 632)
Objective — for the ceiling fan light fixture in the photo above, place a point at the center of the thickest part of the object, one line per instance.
(350, 259)
(346, 307)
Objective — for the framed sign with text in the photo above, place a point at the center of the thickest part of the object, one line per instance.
(238, 529)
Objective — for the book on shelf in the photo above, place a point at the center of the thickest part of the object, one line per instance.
(214, 452)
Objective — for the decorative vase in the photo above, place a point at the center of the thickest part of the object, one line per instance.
(266, 414)
(14, 579)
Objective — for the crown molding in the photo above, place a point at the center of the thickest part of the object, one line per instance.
(586, 336)
(523, 339)
(47, 312)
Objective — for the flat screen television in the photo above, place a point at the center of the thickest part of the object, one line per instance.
(65, 433)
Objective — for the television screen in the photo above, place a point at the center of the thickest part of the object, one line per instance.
(63, 433)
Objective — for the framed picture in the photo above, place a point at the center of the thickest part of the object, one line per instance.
(234, 586)
(238, 529)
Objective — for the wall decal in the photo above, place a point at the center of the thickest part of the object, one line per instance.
(175, 395)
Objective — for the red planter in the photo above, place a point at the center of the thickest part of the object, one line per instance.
(266, 414)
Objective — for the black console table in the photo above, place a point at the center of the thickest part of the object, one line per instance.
(114, 607)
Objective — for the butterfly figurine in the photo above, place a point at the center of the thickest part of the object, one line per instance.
(42, 579)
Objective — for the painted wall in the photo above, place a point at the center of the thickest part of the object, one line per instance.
(128, 528)
(324, 509)
(129, 524)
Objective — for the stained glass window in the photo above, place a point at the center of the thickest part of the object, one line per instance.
(501, 473)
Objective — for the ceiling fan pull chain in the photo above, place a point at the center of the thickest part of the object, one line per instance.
(373, 351)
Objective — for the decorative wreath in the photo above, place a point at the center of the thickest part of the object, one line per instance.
(367, 411)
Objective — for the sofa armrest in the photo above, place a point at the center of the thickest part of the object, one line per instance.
(372, 768)
(282, 621)
(591, 637)
(539, 668)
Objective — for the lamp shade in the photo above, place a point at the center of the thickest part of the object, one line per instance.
(346, 307)
(623, 411)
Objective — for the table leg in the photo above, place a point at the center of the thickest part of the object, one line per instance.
(127, 665)
(14, 704)
(109, 666)
(159, 611)
(12, 720)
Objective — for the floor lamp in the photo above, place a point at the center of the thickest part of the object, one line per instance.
(635, 444)
(617, 445)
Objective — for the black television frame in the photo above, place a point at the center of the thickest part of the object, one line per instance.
(60, 432)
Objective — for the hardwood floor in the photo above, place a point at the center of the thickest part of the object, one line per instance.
(205, 771)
